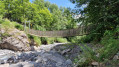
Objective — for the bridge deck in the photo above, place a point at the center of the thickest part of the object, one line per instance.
(62, 33)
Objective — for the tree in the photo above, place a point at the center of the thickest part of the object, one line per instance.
(15, 9)
(40, 13)
(40, 3)
(46, 18)
(71, 23)
(2, 8)
(53, 7)
(101, 15)
(47, 4)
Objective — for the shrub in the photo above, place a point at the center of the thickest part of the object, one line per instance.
(37, 40)
(7, 24)
(110, 44)
(111, 47)
(37, 27)
(1, 20)
(20, 27)
(85, 39)
(61, 40)
(88, 56)
(51, 40)
(44, 40)
(74, 39)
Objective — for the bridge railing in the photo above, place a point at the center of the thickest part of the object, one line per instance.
(62, 33)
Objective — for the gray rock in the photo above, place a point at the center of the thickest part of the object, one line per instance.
(29, 65)
(2, 31)
(40, 58)
(3, 61)
(116, 57)
(59, 64)
(95, 63)
(17, 41)
(47, 55)
(44, 59)
(65, 51)
(118, 53)
(5, 55)
(68, 62)
(16, 65)
(4, 65)
(56, 59)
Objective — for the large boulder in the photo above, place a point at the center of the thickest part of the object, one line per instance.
(14, 40)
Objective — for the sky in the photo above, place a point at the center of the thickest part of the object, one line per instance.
(64, 3)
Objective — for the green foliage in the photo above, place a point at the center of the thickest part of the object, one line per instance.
(102, 19)
(46, 18)
(61, 40)
(101, 15)
(44, 40)
(1, 20)
(37, 40)
(42, 14)
(51, 40)
(5, 34)
(40, 3)
(20, 27)
(111, 45)
(37, 27)
(2, 8)
(87, 57)
(85, 39)
(80, 39)
(75, 39)
(7, 24)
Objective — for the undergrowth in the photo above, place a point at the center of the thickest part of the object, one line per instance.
(109, 47)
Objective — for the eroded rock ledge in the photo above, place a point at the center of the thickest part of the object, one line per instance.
(14, 40)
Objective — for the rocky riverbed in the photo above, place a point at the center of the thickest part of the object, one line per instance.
(17, 51)
(43, 56)
(52, 55)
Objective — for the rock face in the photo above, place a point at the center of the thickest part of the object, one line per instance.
(15, 40)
